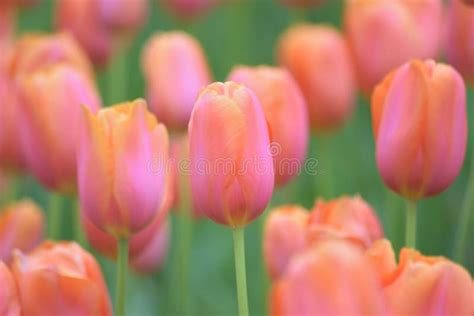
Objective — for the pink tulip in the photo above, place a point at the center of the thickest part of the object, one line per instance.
(330, 279)
(51, 102)
(175, 69)
(123, 15)
(21, 227)
(385, 34)
(459, 44)
(9, 300)
(122, 158)
(420, 127)
(189, 9)
(318, 57)
(285, 110)
(284, 236)
(232, 173)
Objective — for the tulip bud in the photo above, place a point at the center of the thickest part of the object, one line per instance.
(9, 301)
(319, 281)
(286, 114)
(175, 69)
(60, 279)
(122, 158)
(126, 15)
(460, 38)
(318, 57)
(301, 3)
(385, 34)
(284, 236)
(21, 227)
(39, 51)
(420, 128)
(346, 218)
(51, 102)
(189, 9)
(232, 173)
(424, 285)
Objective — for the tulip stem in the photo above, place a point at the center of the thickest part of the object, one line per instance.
(185, 232)
(122, 270)
(54, 216)
(116, 77)
(464, 218)
(410, 227)
(78, 232)
(241, 277)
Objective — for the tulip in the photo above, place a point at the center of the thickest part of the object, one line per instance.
(39, 51)
(284, 236)
(286, 114)
(7, 23)
(423, 285)
(51, 100)
(382, 258)
(318, 57)
(425, 103)
(60, 279)
(347, 218)
(123, 15)
(175, 69)
(232, 173)
(21, 227)
(460, 38)
(189, 9)
(319, 281)
(385, 34)
(469, 2)
(9, 301)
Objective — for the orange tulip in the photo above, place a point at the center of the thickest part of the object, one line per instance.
(330, 279)
(122, 166)
(9, 300)
(60, 279)
(429, 286)
(21, 227)
(318, 57)
(175, 69)
(285, 110)
(420, 127)
(51, 102)
(347, 218)
(284, 236)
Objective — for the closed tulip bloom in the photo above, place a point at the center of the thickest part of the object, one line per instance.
(60, 279)
(189, 9)
(346, 218)
(122, 158)
(429, 286)
(318, 283)
(420, 128)
(38, 51)
(459, 43)
(9, 300)
(284, 236)
(232, 173)
(51, 102)
(385, 34)
(318, 58)
(21, 227)
(123, 15)
(285, 110)
(175, 69)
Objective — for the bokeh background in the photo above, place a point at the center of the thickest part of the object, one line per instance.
(245, 32)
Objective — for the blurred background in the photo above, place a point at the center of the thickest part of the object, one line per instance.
(245, 32)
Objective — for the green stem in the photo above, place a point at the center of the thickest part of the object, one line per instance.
(410, 227)
(464, 218)
(184, 248)
(241, 277)
(122, 270)
(79, 235)
(54, 216)
(323, 180)
(13, 188)
(117, 77)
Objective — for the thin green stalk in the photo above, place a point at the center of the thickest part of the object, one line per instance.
(323, 180)
(241, 276)
(117, 77)
(464, 218)
(54, 216)
(122, 271)
(79, 235)
(410, 227)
